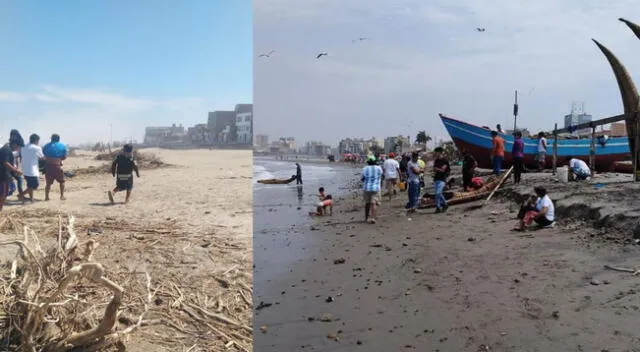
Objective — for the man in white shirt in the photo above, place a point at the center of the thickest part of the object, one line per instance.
(391, 169)
(579, 169)
(31, 156)
(541, 211)
(542, 151)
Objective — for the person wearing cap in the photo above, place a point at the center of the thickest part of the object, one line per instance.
(371, 180)
(122, 169)
(391, 169)
(55, 153)
(541, 211)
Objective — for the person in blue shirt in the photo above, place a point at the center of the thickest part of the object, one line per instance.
(54, 152)
(371, 181)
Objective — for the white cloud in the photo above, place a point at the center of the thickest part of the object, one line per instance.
(426, 57)
(83, 115)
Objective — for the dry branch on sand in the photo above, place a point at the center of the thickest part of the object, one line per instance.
(145, 161)
(44, 308)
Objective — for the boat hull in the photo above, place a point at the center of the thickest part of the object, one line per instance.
(477, 141)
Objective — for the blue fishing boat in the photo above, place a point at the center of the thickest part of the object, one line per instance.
(477, 141)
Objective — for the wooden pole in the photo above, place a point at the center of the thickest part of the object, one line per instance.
(555, 148)
(636, 151)
(592, 152)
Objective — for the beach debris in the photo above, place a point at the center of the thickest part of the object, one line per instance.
(329, 299)
(635, 272)
(484, 348)
(417, 271)
(595, 282)
(263, 305)
(263, 329)
(326, 318)
(555, 314)
(333, 336)
(339, 261)
(471, 239)
(358, 342)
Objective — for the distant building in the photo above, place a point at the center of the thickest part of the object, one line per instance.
(396, 144)
(351, 146)
(577, 117)
(244, 123)
(199, 134)
(159, 135)
(315, 148)
(261, 140)
(221, 125)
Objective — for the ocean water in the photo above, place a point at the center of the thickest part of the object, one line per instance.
(281, 212)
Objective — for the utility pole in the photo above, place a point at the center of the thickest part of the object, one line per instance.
(515, 113)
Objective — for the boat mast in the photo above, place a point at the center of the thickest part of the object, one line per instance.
(515, 112)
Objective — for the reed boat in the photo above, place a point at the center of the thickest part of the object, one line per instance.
(477, 141)
(276, 181)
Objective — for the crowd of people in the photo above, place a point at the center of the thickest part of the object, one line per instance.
(21, 166)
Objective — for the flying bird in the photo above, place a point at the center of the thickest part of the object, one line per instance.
(360, 39)
(480, 29)
(321, 55)
(267, 54)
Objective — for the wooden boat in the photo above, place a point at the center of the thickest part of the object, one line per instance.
(428, 201)
(276, 181)
(477, 141)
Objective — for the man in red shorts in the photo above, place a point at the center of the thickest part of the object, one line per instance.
(54, 152)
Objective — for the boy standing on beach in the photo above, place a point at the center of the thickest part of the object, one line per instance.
(371, 179)
(7, 170)
(122, 169)
(31, 156)
(413, 183)
(497, 152)
(55, 153)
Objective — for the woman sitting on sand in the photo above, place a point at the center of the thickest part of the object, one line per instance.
(537, 208)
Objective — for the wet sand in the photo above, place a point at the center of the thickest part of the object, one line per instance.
(460, 281)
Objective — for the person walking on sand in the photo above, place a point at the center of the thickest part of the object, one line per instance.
(31, 156)
(122, 169)
(298, 174)
(517, 151)
(371, 180)
(441, 169)
(7, 170)
(413, 183)
(497, 152)
(542, 151)
(391, 169)
(55, 152)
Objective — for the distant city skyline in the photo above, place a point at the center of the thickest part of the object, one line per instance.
(425, 58)
(75, 68)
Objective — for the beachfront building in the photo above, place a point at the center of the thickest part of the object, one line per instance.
(155, 136)
(244, 123)
(261, 140)
(316, 148)
(576, 117)
(352, 146)
(397, 144)
(221, 125)
(198, 134)
(618, 129)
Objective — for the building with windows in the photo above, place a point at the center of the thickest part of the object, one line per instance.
(221, 126)
(244, 124)
(261, 140)
(154, 136)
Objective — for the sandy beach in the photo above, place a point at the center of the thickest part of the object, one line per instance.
(188, 226)
(461, 281)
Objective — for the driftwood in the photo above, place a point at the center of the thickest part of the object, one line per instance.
(635, 272)
(40, 299)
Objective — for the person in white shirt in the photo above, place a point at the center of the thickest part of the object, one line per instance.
(31, 156)
(579, 169)
(391, 169)
(540, 210)
(542, 151)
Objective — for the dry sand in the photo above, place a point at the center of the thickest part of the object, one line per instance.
(461, 281)
(188, 226)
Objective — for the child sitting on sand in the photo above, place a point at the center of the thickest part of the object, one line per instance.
(122, 168)
(326, 201)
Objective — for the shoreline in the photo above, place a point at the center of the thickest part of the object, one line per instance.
(456, 281)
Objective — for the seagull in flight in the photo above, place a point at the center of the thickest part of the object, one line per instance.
(480, 29)
(267, 54)
(321, 55)
(360, 39)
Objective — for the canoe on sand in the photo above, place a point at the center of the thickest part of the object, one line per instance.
(276, 181)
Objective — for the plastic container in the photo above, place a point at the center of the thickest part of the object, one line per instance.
(563, 174)
(402, 186)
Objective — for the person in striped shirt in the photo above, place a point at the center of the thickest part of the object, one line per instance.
(371, 180)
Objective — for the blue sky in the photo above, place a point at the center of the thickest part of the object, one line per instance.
(75, 67)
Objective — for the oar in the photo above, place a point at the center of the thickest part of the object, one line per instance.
(504, 178)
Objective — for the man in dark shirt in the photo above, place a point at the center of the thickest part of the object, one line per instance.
(298, 174)
(7, 169)
(469, 165)
(441, 170)
(122, 169)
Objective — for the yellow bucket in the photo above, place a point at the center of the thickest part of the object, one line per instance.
(402, 186)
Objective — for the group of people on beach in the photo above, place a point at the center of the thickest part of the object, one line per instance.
(24, 164)
(21, 166)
